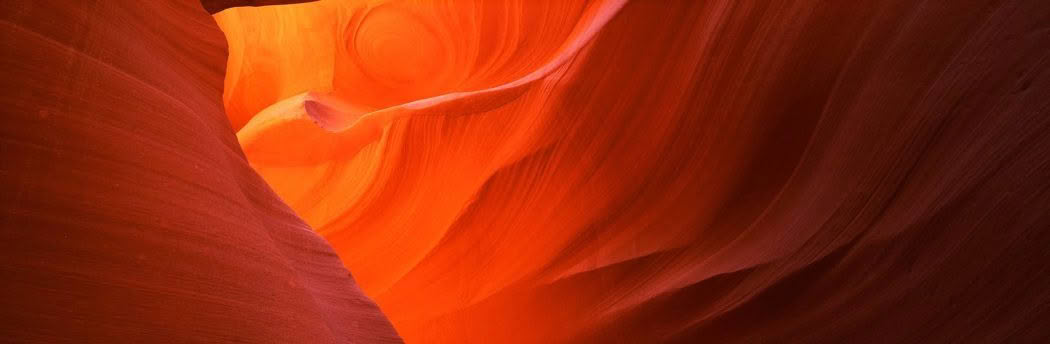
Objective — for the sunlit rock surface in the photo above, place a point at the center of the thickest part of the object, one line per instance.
(128, 212)
(525, 171)
(646, 171)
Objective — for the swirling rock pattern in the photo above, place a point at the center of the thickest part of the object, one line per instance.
(728, 171)
(525, 171)
(128, 212)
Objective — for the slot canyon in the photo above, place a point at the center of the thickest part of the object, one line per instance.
(525, 171)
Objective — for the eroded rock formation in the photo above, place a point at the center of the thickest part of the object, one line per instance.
(525, 171)
(725, 171)
(128, 212)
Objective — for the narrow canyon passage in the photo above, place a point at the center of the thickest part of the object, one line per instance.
(514, 171)
(658, 170)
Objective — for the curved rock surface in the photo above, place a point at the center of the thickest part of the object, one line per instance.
(128, 212)
(723, 171)
(525, 171)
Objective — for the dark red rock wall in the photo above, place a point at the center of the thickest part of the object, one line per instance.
(127, 210)
(214, 6)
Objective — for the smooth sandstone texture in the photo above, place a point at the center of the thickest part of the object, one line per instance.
(128, 213)
(651, 171)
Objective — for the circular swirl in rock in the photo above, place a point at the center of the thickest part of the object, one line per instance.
(405, 55)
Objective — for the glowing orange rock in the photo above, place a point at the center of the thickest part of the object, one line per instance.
(659, 170)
